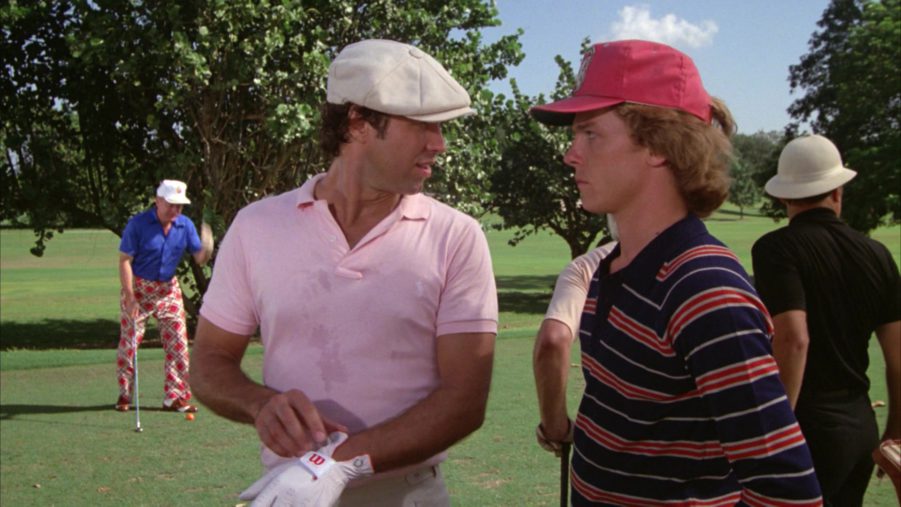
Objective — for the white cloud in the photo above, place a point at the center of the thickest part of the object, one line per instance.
(636, 23)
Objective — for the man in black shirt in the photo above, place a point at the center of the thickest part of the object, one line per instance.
(828, 288)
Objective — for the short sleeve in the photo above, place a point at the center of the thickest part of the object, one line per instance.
(571, 288)
(776, 277)
(191, 236)
(227, 302)
(469, 299)
(129, 242)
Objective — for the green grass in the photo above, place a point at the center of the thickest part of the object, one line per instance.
(62, 444)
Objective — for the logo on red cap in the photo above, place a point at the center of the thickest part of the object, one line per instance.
(583, 69)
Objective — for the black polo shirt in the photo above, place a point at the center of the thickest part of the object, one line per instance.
(846, 282)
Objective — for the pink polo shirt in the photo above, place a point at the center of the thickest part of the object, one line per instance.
(354, 329)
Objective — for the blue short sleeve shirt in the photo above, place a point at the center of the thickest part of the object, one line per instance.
(156, 255)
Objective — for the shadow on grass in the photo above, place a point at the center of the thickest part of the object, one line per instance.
(11, 410)
(516, 294)
(736, 215)
(8, 411)
(528, 282)
(67, 334)
(523, 302)
(524, 294)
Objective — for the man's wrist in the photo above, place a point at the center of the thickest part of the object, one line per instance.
(344, 453)
(362, 466)
(318, 464)
(255, 406)
(565, 430)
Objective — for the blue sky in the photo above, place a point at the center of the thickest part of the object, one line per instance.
(742, 48)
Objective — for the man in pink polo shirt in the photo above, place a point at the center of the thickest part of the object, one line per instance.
(376, 305)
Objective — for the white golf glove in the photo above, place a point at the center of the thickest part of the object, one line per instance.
(313, 480)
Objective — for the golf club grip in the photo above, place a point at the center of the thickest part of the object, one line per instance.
(564, 474)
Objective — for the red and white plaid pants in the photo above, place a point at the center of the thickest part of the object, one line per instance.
(162, 300)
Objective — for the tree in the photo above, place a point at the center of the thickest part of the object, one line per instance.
(102, 99)
(752, 154)
(851, 85)
(743, 191)
(533, 189)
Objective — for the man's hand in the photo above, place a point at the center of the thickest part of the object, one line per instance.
(290, 425)
(554, 443)
(888, 459)
(202, 256)
(131, 306)
(314, 480)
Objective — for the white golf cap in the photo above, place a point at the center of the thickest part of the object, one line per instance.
(173, 191)
(395, 78)
(808, 166)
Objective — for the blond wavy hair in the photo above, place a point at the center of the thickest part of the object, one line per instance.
(698, 153)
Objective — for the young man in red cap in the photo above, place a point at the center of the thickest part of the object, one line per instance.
(683, 402)
(829, 288)
(375, 304)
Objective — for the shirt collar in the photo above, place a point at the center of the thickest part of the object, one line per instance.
(411, 207)
(153, 218)
(663, 247)
(819, 214)
(306, 193)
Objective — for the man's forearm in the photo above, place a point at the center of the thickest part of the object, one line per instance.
(451, 412)
(201, 257)
(225, 388)
(430, 427)
(217, 378)
(889, 336)
(550, 363)
(791, 370)
(790, 345)
(126, 277)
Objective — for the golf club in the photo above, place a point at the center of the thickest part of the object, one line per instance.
(138, 428)
(564, 474)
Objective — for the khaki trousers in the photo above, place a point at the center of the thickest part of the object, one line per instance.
(422, 488)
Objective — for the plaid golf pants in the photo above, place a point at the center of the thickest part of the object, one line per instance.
(162, 300)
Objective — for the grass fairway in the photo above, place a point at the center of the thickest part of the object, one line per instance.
(62, 444)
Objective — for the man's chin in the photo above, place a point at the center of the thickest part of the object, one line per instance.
(594, 209)
(415, 188)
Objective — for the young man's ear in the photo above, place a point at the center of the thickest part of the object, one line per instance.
(656, 160)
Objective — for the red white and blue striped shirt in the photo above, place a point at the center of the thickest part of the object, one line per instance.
(683, 404)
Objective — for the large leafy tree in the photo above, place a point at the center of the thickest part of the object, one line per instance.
(851, 93)
(533, 189)
(752, 156)
(102, 99)
(743, 191)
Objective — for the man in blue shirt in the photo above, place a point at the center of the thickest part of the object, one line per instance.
(152, 246)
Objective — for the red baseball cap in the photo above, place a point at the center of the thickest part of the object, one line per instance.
(636, 71)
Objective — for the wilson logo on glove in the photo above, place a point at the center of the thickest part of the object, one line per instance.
(316, 463)
(313, 479)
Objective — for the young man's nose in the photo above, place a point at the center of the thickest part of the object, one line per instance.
(572, 157)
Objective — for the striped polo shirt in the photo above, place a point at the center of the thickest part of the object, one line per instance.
(683, 404)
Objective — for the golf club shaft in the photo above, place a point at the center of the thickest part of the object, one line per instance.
(564, 474)
(136, 400)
